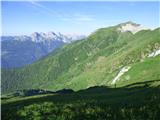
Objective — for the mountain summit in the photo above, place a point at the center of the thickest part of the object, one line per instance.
(52, 36)
(131, 26)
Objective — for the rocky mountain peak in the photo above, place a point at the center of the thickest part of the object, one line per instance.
(131, 26)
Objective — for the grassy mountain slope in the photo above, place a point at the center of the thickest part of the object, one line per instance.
(91, 62)
(142, 71)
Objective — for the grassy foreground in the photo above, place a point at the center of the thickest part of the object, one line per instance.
(139, 101)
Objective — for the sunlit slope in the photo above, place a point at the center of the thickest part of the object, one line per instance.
(147, 70)
(94, 61)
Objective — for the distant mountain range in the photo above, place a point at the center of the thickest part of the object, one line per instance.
(114, 56)
(18, 51)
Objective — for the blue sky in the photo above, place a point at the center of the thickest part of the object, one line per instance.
(26, 17)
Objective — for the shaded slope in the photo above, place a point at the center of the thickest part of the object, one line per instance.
(137, 102)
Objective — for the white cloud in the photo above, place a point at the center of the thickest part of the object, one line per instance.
(78, 18)
(64, 17)
(83, 17)
(45, 9)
